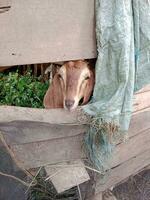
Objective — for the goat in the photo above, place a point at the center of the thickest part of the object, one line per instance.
(71, 86)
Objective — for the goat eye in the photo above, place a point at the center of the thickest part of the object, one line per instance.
(86, 78)
(59, 76)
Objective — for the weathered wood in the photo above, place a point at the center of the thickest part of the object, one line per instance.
(52, 116)
(144, 89)
(33, 155)
(67, 175)
(133, 147)
(47, 31)
(123, 171)
(5, 3)
(139, 123)
(142, 100)
(5, 6)
(20, 132)
(30, 141)
(57, 116)
(29, 132)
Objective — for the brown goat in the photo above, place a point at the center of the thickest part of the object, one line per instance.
(72, 85)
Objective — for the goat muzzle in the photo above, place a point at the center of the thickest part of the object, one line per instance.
(69, 104)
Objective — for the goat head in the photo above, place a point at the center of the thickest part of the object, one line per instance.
(71, 86)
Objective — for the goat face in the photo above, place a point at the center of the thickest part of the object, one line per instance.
(76, 82)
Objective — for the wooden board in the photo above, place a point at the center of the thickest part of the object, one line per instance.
(50, 128)
(133, 147)
(35, 31)
(5, 6)
(139, 122)
(144, 89)
(31, 141)
(18, 133)
(57, 116)
(142, 99)
(52, 116)
(33, 155)
(22, 132)
(5, 3)
(123, 171)
(67, 175)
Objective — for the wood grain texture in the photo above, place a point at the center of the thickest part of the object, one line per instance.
(142, 100)
(47, 31)
(5, 3)
(21, 132)
(31, 142)
(29, 132)
(52, 116)
(144, 89)
(33, 155)
(139, 123)
(38, 131)
(5, 6)
(123, 171)
(67, 175)
(133, 147)
(50, 137)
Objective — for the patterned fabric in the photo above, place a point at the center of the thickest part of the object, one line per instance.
(123, 66)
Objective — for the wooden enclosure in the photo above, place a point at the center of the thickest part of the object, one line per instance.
(52, 31)
(35, 31)
(39, 137)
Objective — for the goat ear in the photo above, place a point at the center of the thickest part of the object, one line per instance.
(54, 96)
(89, 87)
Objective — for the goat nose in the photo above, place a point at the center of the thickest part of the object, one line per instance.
(69, 103)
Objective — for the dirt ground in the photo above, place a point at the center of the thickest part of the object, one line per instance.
(135, 188)
(10, 189)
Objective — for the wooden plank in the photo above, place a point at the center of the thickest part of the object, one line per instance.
(32, 151)
(30, 141)
(28, 132)
(11, 113)
(133, 147)
(139, 123)
(141, 100)
(4, 9)
(35, 36)
(67, 175)
(123, 171)
(47, 124)
(5, 6)
(54, 116)
(5, 3)
(33, 155)
(20, 132)
(144, 89)
(27, 135)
